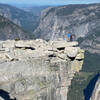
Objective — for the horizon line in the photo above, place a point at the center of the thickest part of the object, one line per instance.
(47, 4)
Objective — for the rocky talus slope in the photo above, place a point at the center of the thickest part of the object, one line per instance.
(38, 70)
(96, 92)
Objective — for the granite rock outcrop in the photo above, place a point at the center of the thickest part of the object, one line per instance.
(37, 69)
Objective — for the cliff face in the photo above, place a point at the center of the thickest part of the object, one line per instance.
(91, 43)
(38, 70)
(96, 92)
(81, 20)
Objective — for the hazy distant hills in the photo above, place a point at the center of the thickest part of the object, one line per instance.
(9, 30)
(20, 17)
(36, 10)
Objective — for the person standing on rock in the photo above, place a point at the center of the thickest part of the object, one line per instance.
(68, 36)
(71, 37)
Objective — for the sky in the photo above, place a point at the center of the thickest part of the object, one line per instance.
(49, 2)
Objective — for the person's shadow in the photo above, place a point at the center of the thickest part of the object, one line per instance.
(89, 89)
(5, 95)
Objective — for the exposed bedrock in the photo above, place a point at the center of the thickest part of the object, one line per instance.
(38, 70)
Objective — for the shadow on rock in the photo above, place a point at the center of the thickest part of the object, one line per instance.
(89, 89)
(5, 95)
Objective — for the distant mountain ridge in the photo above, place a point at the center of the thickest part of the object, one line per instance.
(20, 17)
(36, 10)
(9, 30)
